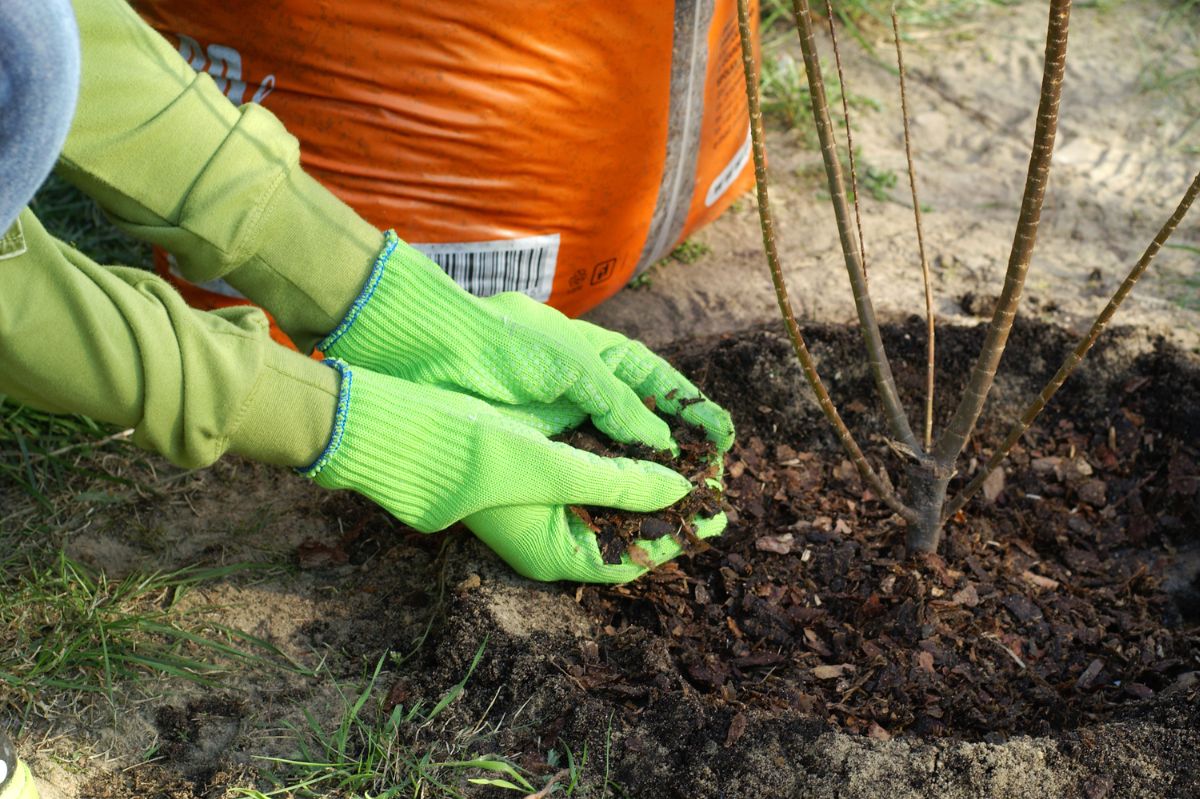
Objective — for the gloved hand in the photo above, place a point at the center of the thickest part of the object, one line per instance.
(551, 543)
(543, 540)
(412, 321)
(432, 457)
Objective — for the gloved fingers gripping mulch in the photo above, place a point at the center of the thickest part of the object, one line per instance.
(618, 532)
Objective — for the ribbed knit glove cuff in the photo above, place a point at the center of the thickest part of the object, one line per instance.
(362, 457)
(405, 297)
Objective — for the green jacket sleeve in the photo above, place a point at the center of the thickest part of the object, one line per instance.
(120, 345)
(173, 162)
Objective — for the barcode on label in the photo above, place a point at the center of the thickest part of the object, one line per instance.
(485, 268)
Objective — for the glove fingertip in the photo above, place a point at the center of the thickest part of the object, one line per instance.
(712, 526)
(668, 476)
(648, 429)
(714, 419)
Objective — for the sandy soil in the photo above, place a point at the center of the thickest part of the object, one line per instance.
(1125, 155)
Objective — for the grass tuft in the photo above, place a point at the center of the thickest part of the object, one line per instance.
(67, 631)
(415, 750)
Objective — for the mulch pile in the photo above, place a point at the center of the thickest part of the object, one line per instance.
(1046, 609)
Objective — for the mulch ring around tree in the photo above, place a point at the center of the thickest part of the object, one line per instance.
(1059, 599)
(802, 654)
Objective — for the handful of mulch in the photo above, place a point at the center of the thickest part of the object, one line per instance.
(618, 531)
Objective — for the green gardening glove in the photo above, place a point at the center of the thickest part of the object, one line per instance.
(551, 543)
(632, 363)
(432, 457)
(412, 321)
(541, 540)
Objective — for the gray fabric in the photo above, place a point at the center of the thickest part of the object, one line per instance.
(689, 66)
(39, 84)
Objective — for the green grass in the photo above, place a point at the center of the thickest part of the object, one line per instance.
(689, 251)
(67, 631)
(786, 99)
(42, 454)
(868, 22)
(1183, 289)
(878, 182)
(1162, 76)
(686, 252)
(784, 87)
(383, 752)
(73, 217)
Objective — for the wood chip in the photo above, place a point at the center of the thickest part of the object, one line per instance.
(993, 485)
(1039, 580)
(1089, 675)
(967, 596)
(832, 672)
(737, 728)
(312, 554)
(779, 544)
(640, 556)
(878, 733)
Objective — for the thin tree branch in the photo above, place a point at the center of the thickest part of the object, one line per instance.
(837, 60)
(881, 370)
(912, 182)
(869, 476)
(1073, 360)
(954, 438)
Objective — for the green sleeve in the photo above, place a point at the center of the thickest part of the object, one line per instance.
(120, 345)
(173, 162)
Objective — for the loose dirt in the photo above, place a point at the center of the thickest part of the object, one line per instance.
(1050, 651)
(618, 533)
(1054, 646)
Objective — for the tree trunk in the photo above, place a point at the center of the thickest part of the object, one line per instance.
(927, 484)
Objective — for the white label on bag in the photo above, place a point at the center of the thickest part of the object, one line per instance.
(485, 268)
(729, 174)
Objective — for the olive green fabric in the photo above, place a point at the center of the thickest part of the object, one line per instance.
(168, 157)
(173, 162)
(121, 346)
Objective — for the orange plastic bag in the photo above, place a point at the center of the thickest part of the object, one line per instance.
(546, 147)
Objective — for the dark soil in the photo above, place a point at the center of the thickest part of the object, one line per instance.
(1046, 609)
(617, 532)
(1059, 606)
(802, 654)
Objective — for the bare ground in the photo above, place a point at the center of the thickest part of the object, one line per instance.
(1125, 153)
